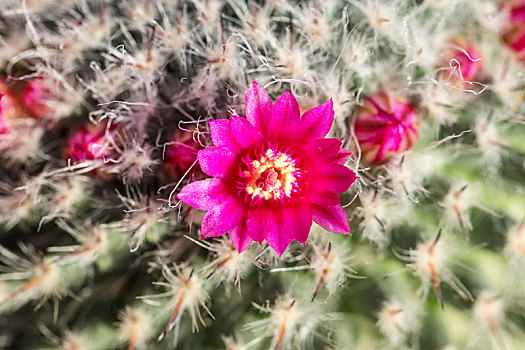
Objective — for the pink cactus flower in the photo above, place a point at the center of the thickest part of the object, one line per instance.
(514, 35)
(385, 125)
(90, 142)
(181, 154)
(273, 172)
(463, 61)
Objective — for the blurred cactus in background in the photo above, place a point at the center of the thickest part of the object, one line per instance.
(121, 121)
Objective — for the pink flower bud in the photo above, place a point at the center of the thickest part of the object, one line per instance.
(8, 104)
(463, 61)
(181, 154)
(514, 35)
(91, 142)
(385, 125)
(3, 128)
(34, 98)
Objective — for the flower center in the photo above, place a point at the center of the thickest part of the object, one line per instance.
(273, 175)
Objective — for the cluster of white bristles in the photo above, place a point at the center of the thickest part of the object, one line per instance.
(154, 66)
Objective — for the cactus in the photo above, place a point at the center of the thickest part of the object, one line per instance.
(268, 174)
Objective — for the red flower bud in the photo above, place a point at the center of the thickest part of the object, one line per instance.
(385, 125)
(514, 35)
(93, 143)
(181, 153)
(463, 61)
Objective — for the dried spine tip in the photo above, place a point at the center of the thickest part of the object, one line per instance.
(133, 162)
(433, 273)
(227, 263)
(376, 213)
(187, 293)
(289, 322)
(73, 341)
(515, 246)
(20, 202)
(143, 220)
(287, 311)
(330, 265)
(42, 276)
(430, 261)
(92, 239)
(134, 328)
(489, 310)
(457, 204)
(488, 140)
(395, 321)
(20, 143)
(284, 317)
(231, 344)
(324, 272)
(68, 194)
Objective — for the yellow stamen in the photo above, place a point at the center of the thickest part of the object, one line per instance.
(271, 176)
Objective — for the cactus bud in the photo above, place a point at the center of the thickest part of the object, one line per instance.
(385, 125)
(463, 61)
(92, 143)
(180, 155)
(514, 35)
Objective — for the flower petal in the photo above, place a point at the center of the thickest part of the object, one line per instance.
(404, 111)
(381, 105)
(258, 106)
(333, 219)
(205, 194)
(215, 161)
(279, 238)
(244, 133)
(240, 237)
(322, 150)
(297, 220)
(342, 156)
(285, 116)
(320, 195)
(221, 134)
(372, 136)
(259, 222)
(234, 134)
(391, 143)
(316, 123)
(337, 178)
(222, 219)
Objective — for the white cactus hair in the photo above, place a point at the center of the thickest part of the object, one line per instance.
(108, 237)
